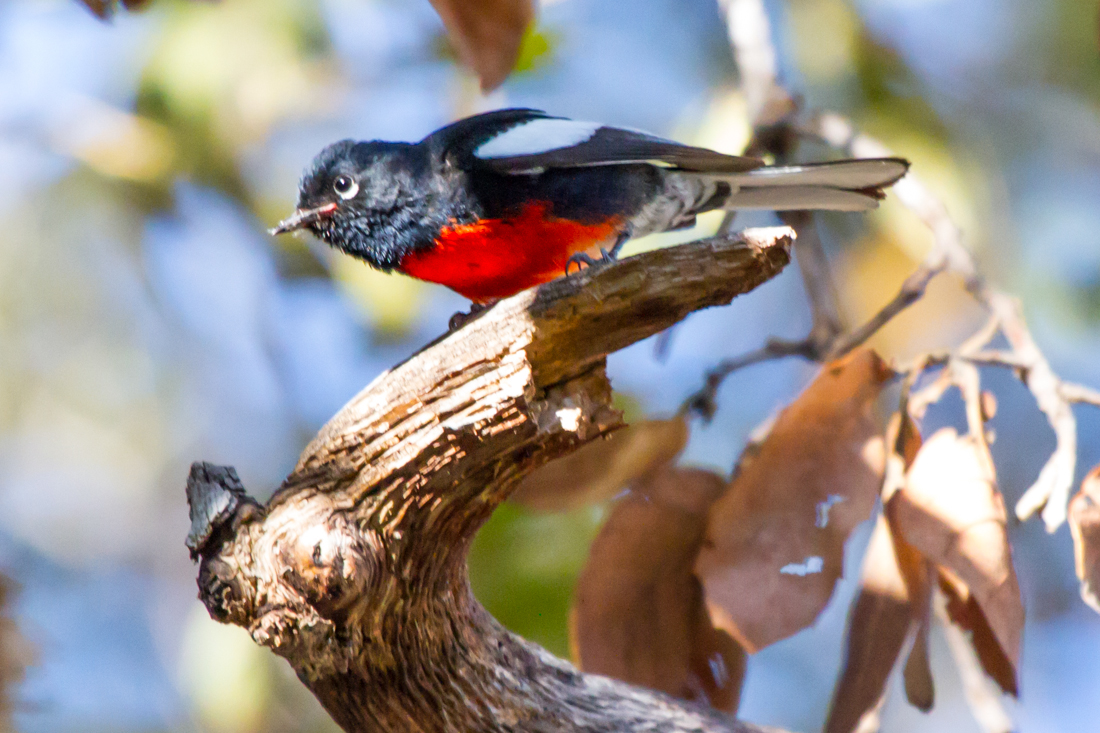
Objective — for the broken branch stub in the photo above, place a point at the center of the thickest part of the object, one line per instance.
(355, 570)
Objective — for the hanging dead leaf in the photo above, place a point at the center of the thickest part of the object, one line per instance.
(487, 34)
(717, 664)
(903, 440)
(104, 9)
(604, 467)
(951, 511)
(775, 540)
(920, 690)
(639, 614)
(893, 604)
(1084, 525)
(878, 623)
(963, 609)
(15, 656)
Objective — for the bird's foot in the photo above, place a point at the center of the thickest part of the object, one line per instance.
(581, 260)
(460, 319)
(607, 256)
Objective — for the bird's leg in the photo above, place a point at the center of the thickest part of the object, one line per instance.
(607, 256)
(613, 254)
(460, 319)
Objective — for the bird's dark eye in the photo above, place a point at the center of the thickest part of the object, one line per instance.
(345, 187)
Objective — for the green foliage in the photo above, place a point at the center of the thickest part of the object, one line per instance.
(524, 566)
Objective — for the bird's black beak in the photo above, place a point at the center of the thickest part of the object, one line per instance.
(303, 218)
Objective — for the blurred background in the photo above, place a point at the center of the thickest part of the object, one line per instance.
(147, 320)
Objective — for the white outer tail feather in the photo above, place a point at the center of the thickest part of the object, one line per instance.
(849, 174)
(836, 186)
(786, 197)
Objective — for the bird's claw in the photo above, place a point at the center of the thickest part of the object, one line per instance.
(460, 319)
(580, 258)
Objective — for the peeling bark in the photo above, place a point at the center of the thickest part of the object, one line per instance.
(355, 570)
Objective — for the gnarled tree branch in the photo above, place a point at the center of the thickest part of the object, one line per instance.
(355, 570)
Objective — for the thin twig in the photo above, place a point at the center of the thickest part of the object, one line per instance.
(817, 278)
(966, 378)
(1080, 393)
(911, 291)
(703, 402)
(930, 394)
(750, 35)
(1051, 491)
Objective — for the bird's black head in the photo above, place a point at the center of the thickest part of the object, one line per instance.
(360, 197)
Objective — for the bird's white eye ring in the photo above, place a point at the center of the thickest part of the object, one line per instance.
(345, 187)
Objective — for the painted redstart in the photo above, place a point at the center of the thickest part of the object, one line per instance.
(496, 203)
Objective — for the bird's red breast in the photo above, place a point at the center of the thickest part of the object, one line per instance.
(495, 258)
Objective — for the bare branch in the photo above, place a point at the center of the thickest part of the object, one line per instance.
(1051, 491)
(1080, 393)
(355, 571)
(750, 36)
(703, 401)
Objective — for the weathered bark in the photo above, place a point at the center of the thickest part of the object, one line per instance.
(355, 571)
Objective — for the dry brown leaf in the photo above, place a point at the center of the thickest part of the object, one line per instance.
(920, 690)
(638, 613)
(893, 604)
(15, 655)
(487, 34)
(775, 540)
(1084, 525)
(878, 624)
(964, 610)
(106, 8)
(716, 668)
(602, 468)
(102, 8)
(951, 511)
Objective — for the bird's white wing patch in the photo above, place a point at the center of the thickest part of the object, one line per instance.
(537, 136)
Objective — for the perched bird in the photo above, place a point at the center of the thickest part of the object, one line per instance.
(498, 202)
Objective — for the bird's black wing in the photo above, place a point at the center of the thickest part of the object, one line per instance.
(525, 141)
(458, 140)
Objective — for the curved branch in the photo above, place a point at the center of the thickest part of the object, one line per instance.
(355, 571)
